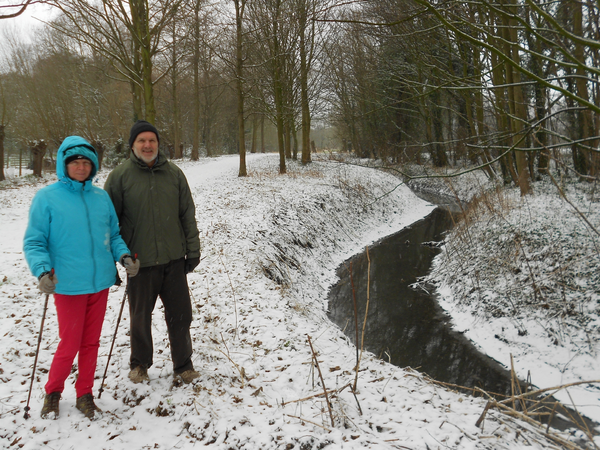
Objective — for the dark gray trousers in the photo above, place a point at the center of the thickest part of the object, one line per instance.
(170, 283)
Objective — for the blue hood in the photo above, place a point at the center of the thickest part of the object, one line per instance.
(74, 145)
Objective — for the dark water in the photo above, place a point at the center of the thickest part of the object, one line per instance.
(406, 326)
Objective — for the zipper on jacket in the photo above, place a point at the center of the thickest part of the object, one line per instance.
(152, 206)
(89, 223)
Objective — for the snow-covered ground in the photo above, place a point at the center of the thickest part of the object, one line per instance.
(270, 247)
(521, 278)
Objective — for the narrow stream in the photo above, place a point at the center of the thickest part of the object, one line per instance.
(405, 326)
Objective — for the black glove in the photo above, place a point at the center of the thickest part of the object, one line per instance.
(131, 267)
(47, 282)
(190, 264)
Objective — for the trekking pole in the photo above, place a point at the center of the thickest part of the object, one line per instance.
(114, 337)
(101, 390)
(37, 352)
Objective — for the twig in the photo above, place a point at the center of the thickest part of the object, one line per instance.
(233, 293)
(587, 429)
(554, 388)
(355, 315)
(488, 405)
(551, 417)
(362, 338)
(241, 370)
(564, 196)
(515, 381)
(357, 402)
(309, 421)
(337, 391)
(322, 380)
(511, 412)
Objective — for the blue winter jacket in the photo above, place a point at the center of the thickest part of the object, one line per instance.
(73, 229)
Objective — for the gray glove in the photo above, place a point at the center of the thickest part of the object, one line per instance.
(47, 283)
(131, 267)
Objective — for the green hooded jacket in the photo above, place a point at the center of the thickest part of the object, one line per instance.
(156, 211)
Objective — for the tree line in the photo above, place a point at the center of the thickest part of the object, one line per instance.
(507, 86)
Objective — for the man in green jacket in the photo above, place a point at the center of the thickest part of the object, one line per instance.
(157, 217)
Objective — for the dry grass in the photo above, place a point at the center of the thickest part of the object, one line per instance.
(513, 258)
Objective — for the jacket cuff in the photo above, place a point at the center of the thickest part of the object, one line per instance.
(41, 275)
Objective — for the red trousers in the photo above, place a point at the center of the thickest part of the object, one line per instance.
(80, 320)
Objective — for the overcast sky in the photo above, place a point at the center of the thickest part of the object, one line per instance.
(27, 22)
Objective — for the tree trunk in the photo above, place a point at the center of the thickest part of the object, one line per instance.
(207, 115)
(99, 146)
(476, 120)
(516, 99)
(174, 82)
(586, 121)
(239, 12)
(139, 17)
(306, 119)
(262, 133)
(254, 131)
(294, 144)
(2, 136)
(196, 76)
(288, 139)
(540, 135)
(38, 150)
(136, 95)
(278, 90)
(502, 117)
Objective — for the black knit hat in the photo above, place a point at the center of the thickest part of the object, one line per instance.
(74, 157)
(139, 127)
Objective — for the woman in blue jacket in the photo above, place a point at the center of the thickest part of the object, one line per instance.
(74, 230)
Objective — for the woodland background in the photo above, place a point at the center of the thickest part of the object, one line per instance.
(505, 86)
(505, 93)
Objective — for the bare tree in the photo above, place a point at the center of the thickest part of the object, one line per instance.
(560, 36)
(13, 10)
(272, 52)
(416, 78)
(127, 33)
(196, 72)
(3, 120)
(210, 60)
(240, 6)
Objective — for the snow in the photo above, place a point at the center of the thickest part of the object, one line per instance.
(270, 247)
(527, 286)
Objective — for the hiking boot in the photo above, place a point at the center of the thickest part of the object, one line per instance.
(188, 376)
(139, 374)
(50, 408)
(86, 405)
